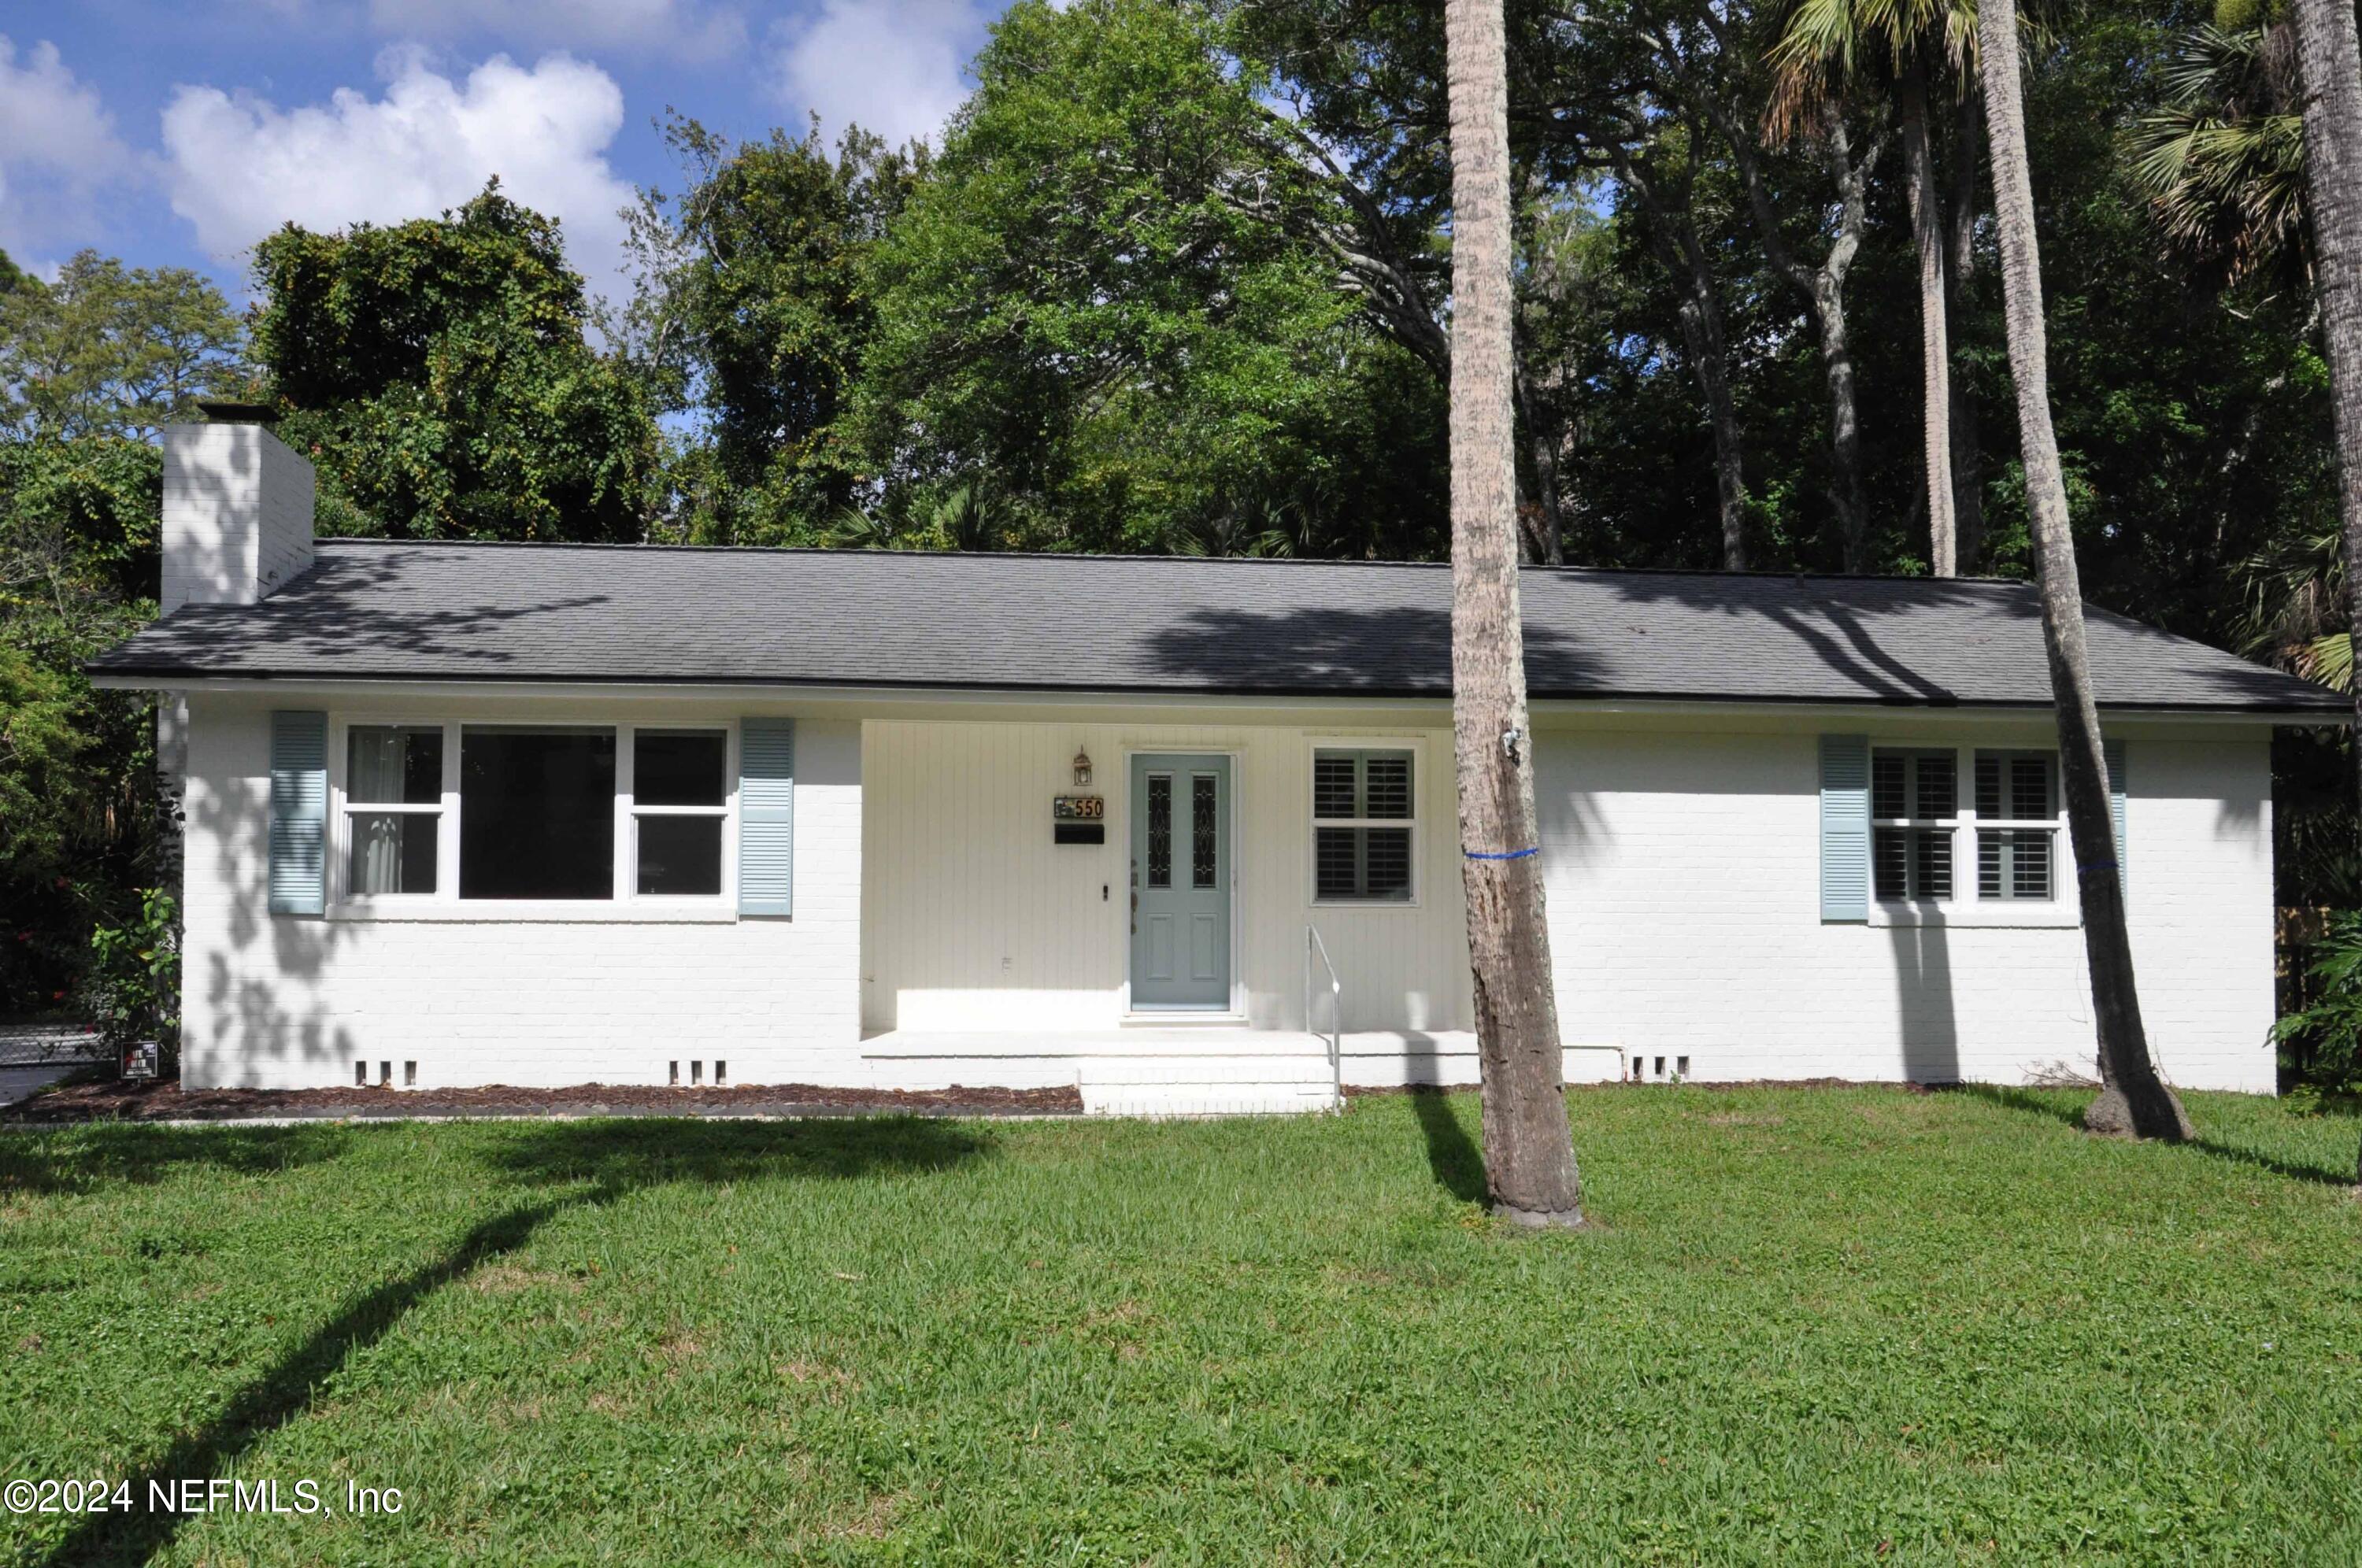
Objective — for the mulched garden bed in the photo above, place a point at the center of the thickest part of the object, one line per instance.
(150, 1101)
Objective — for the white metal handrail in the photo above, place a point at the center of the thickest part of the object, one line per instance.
(1314, 947)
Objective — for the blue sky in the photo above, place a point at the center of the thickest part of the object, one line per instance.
(179, 133)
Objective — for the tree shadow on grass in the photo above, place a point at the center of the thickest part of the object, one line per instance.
(579, 1166)
(1457, 1163)
(2072, 1115)
(67, 1160)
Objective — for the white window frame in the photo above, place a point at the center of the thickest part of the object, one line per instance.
(1913, 822)
(2053, 824)
(632, 813)
(1405, 745)
(445, 811)
(1967, 906)
(624, 901)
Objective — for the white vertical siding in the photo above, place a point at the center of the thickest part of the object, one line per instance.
(976, 920)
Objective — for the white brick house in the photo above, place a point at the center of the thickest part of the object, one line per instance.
(473, 813)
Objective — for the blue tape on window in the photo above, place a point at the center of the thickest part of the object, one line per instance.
(1501, 853)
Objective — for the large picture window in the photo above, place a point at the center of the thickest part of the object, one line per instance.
(1362, 823)
(393, 808)
(680, 797)
(536, 813)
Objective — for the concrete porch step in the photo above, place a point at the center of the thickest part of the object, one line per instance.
(1300, 1068)
(1094, 1044)
(1180, 1100)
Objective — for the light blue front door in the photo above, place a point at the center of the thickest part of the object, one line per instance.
(1180, 881)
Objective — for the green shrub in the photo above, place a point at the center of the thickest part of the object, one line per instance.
(2322, 1040)
(132, 990)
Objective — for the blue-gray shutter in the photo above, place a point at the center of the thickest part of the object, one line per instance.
(2114, 752)
(1845, 827)
(299, 812)
(766, 816)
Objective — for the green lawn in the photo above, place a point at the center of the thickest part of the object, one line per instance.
(1815, 1325)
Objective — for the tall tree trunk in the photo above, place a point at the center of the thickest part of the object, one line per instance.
(1673, 235)
(1968, 442)
(1935, 347)
(1827, 289)
(2331, 62)
(2133, 1097)
(1529, 1151)
(1702, 333)
(1543, 448)
(1822, 285)
(1846, 492)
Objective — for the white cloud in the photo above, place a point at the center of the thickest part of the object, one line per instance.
(58, 151)
(238, 166)
(890, 66)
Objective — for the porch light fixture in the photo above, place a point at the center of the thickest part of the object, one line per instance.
(1082, 770)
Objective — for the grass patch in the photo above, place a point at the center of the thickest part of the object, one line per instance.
(1817, 1325)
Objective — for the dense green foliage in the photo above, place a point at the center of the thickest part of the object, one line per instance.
(754, 310)
(78, 809)
(1106, 311)
(437, 373)
(1814, 1326)
(105, 350)
(2325, 1035)
(132, 992)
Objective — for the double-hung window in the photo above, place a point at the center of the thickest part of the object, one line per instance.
(393, 808)
(1914, 810)
(680, 797)
(461, 813)
(1362, 827)
(2017, 825)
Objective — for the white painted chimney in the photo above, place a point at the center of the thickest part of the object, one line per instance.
(237, 510)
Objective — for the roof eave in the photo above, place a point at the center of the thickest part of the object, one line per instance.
(161, 678)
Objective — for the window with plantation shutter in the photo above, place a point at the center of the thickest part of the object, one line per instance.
(1931, 806)
(1363, 822)
(2019, 788)
(1913, 813)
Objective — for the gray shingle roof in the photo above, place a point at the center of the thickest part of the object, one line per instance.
(380, 610)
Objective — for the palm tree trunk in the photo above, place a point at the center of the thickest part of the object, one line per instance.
(1968, 441)
(1935, 347)
(2330, 60)
(1529, 1153)
(2133, 1097)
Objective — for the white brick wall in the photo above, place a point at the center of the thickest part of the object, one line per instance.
(1686, 919)
(237, 514)
(287, 1002)
(1681, 858)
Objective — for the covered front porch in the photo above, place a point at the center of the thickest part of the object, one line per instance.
(1179, 894)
